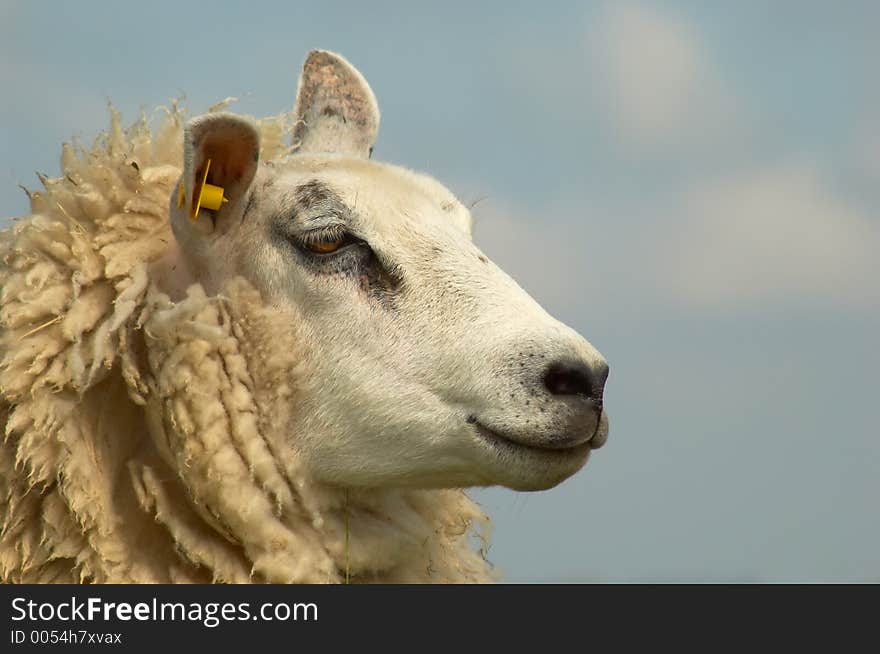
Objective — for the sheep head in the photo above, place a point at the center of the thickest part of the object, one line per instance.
(422, 363)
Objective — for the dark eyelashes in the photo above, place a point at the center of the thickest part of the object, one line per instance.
(324, 235)
(326, 243)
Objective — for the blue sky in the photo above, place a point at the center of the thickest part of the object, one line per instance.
(693, 186)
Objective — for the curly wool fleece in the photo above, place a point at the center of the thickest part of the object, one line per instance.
(137, 429)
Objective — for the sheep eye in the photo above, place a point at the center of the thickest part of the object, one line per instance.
(326, 247)
(325, 241)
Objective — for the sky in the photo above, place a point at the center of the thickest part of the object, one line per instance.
(694, 187)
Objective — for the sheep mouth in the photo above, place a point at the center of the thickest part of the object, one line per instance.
(500, 441)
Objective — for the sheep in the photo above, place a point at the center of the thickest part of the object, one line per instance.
(291, 385)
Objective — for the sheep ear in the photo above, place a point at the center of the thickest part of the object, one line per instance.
(335, 109)
(221, 152)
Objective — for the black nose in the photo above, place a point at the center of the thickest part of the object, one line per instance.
(577, 378)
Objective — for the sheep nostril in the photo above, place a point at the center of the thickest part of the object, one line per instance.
(577, 378)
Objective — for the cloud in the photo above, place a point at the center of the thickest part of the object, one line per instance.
(867, 146)
(768, 235)
(589, 263)
(549, 259)
(765, 236)
(656, 81)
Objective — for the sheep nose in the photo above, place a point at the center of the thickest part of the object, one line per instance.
(577, 378)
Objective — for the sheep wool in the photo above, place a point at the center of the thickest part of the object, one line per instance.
(136, 444)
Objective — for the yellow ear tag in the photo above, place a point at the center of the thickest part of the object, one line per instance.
(207, 195)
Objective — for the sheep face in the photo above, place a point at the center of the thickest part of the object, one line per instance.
(423, 363)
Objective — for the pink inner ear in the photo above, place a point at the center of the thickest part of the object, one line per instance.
(232, 145)
(229, 161)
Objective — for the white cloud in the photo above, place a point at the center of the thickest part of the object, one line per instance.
(867, 155)
(771, 234)
(657, 83)
(587, 263)
(550, 260)
(766, 236)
